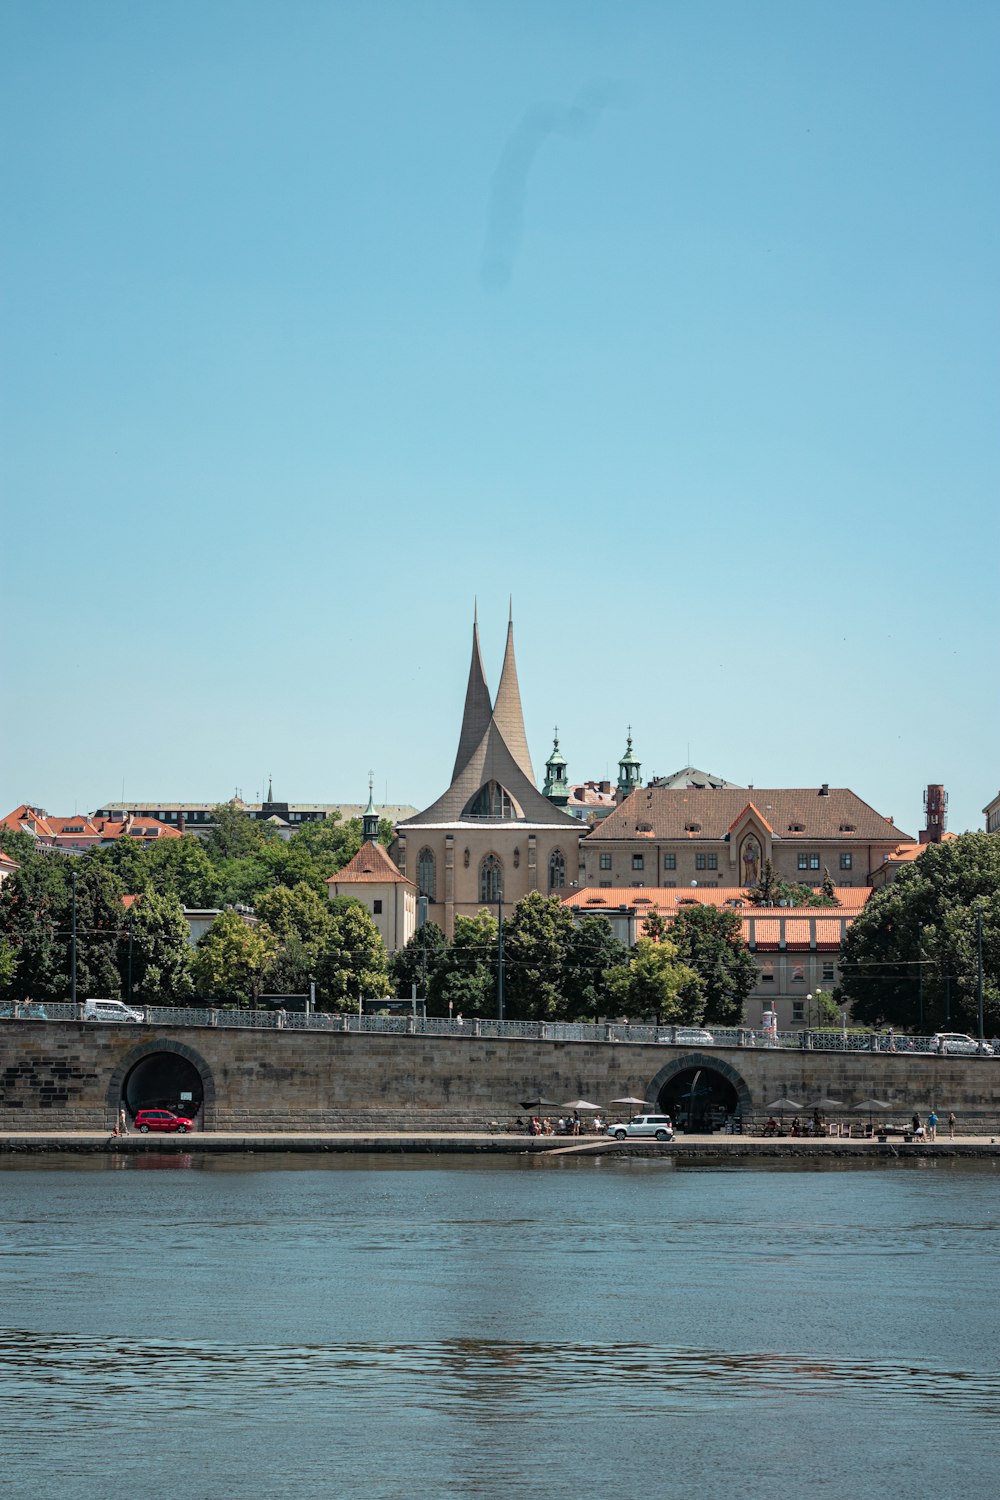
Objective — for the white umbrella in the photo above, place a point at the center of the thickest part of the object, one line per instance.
(579, 1104)
(631, 1099)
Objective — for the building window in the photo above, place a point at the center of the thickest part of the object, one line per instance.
(808, 861)
(605, 884)
(670, 861)
(377, 908)
(767, 973)
(491, 801)
(425, 874)
(638, 862)
(557, 870)
(490, 880)
(670, 885)
(847, 861)
(798, 1010)
(798, 974)
(827, 972)
(605, 862)
(699, 861)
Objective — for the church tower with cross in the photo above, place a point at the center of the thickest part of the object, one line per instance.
(492, 836)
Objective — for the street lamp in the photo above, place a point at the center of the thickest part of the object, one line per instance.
(979, 965)
(72, 939)
(499, 952)
(809, 1006)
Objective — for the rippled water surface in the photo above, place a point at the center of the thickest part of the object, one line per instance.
(255, 1328)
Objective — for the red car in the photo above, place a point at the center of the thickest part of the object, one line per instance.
(162, 1119)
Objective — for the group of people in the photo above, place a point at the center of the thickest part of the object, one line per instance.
(565, 1125)
(929, 1131)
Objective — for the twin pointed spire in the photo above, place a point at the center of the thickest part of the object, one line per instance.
(504, 715)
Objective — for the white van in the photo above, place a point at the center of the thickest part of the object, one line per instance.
(110, 1010)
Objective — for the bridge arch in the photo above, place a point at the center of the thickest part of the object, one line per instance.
(157, 1073)
(697, 1090)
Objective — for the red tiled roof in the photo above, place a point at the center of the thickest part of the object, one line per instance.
(28, 819)
(6, 863)
(370, 866)
(830, 922)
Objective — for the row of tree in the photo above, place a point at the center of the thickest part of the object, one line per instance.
(557, 970)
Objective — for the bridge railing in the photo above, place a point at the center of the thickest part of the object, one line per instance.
(693, 1038)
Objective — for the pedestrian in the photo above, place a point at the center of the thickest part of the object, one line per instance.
(916, 1124)
(892, 1038)
(458, 1020)
(122, 1122)
(951, 1125)
(932, 1123)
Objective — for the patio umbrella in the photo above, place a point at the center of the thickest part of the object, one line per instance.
(539, 1103)
(629, 1099)
(825, 1104)
(871, 1105)
(781, 1105)
(579, 1104)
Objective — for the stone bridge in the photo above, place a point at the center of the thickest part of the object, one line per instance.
(75, 1076)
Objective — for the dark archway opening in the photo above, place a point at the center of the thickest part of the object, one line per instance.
(699, 1100)
(164, 1080)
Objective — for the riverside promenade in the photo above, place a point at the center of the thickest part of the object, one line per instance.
(687, 1148)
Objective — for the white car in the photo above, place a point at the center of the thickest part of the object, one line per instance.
(660, 1127)
(110, 1010)
(689, 1036)
(960, 1044)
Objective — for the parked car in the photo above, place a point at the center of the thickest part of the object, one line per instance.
(110, 1010)
(162, 1119)
(957, 1042)
(689, 1036)
(660, 1127)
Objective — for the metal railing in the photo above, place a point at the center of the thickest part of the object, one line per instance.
(694, 1039)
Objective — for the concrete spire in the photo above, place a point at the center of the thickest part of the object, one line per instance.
(476, 717)
(507, 713)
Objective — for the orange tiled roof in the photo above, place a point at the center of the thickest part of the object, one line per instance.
(6, 863)
(28, 819)
(109, 828)
(830, 921)
(371, 865)
(904, 853)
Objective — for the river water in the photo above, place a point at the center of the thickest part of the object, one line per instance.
(240, 1327)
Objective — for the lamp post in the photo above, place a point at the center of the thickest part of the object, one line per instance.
(499, 953)
(130, 915)
(72, 937)
(809, 1005)
(979, 966)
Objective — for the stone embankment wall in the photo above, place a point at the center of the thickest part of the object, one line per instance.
(70, 1075)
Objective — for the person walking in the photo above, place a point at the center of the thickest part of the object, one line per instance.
(932, 1124)
(122, 1122)
(951, 1125)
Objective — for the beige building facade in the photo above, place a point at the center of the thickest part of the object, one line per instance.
(373, 879)
(492, 836)
(724, 836)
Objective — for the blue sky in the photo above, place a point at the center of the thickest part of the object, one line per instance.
(677, 322)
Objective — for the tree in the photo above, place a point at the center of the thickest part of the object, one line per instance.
(591, 965)
(235, 834)
(418, 963)
(162, 957)
(233, 960)
(465, 983)
(297, 912)
(181, 867)
(535, 939)
(710, 940)
(910, 958)
(827, 1009)
(764, 893)
(828, 888)
(655, 927)
(353, 964)
(656, 983)
(33, 906)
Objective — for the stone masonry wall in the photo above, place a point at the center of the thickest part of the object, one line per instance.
(69, 1076)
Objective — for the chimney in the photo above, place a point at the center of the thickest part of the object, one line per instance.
(935, 814)
(824, 790)
(180, 821)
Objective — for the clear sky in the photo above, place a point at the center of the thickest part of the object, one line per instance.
(679, 322)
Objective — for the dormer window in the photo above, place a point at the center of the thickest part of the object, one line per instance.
(796, 828)
(848, 828)
(692, 827)
(491, 801)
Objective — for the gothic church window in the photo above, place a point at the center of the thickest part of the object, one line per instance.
(490, 880)
(425, 874)
(557, 870)
(491, 801)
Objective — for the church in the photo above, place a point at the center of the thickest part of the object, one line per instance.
(492, 836)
